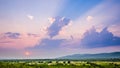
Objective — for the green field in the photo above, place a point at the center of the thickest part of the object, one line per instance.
(59, 64)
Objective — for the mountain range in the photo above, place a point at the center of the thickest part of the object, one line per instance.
(112, 55)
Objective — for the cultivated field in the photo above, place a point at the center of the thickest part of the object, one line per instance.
(59, 64)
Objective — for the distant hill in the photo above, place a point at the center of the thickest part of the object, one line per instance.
(113, 55)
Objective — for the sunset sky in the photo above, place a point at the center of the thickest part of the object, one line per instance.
(53, 28)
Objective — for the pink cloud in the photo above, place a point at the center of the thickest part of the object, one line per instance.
(115, 29)
(24, 40)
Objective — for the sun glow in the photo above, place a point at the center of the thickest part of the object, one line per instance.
(27, 53)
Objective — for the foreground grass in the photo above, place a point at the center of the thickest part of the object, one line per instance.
(59, 64)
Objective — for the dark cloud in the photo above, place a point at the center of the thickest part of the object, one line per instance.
(57, 25)
(93, 39)
(33, 35)
(49, 44)
(53, 30)
(12, 35)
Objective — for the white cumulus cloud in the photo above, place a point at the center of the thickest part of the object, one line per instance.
(30, 17)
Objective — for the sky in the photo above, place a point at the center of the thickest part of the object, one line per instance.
(39, 29)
